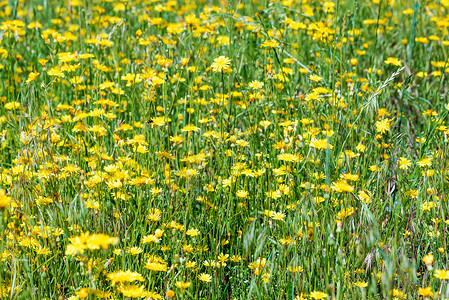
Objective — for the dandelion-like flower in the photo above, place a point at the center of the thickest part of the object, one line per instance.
(318, 295)
(383, 125)
(205, 277)
(221, 64)
(442, 274)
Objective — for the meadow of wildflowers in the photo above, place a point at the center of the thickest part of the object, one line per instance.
(258, 149)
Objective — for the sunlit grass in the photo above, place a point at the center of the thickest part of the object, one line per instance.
(224, 150)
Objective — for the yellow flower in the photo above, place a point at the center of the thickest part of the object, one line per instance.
(412, 193)
(221, 64)
(297, 269)
(184, 61)
(82, 293)
(318, 295)
(13, 105)
(242, 194)
(383, 125)
(428, 173)
(404, 163)
(393, 61)
(288, 157)
(122, 276)
(189, 128)
(56, 71)
(350, 177)
(100, 240)
(266, 277)
(159, 121)
(205, 277)
(320, 144)
(154, 214)
(342, 186)
(114, 184)
(265, 123)
(441, 274)
(170, 294)
(269, 44)
(427, 206)
(315, 78)
(156, 264)
(177, 139)
(133, 291)
(193, 232)
(397, 294)
(151, 238)
(32, 77)
(134, 250)
(373, 168)
(42, 251)
(182, 285)
(258, 265)
(78, 244)
(365, 196)
(361, 284)
(422, 74)
(425, 292)
(4, 200)
(428, 259)
(278, 216)
(345, 212)
(425, 162)
(42, 61)
(153, 295)
(256, 85)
